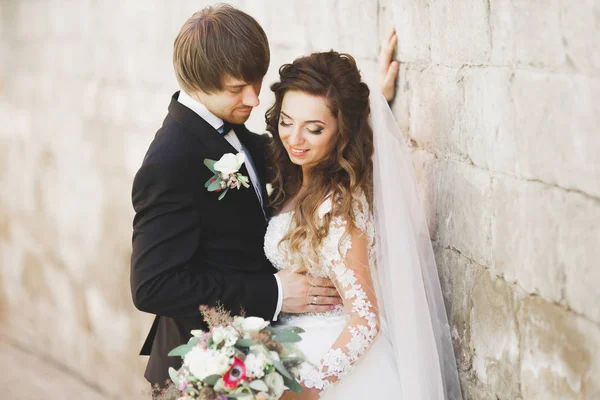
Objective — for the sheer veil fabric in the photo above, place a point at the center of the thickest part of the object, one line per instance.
(408, 287)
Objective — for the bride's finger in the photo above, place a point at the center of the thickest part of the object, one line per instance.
(387, 51)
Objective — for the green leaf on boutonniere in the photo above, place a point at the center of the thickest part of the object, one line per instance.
(224, 193)
(211, 180)
(210, 164)
(214, 185)
(243, 343)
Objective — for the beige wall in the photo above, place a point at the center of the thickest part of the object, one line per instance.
(499, 99)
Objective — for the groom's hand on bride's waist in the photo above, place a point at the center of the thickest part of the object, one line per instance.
(302, 293)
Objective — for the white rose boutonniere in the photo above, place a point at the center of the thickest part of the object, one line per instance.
(226, 175)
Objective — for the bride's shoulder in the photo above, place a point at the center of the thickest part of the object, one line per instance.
(360, 204)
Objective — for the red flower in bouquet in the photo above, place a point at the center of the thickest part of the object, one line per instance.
(235, 375)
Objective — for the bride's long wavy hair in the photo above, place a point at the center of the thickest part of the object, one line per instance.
(345, 171)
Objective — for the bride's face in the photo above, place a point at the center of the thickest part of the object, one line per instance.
(307, 128)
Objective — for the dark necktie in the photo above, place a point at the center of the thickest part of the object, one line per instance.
(225, 128)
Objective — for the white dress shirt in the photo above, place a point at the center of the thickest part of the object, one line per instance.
(231, 137)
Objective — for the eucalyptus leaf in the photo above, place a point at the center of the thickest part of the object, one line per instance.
(259, 386)
(211, 380)
(174, 375)
(292, 385)
(224, 193)
(286, 337)
(281, 368)
(210, 164)
(181, 350)
(211, 180)
(244, 343)
(216, 185)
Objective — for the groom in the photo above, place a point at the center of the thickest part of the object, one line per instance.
(189, 247)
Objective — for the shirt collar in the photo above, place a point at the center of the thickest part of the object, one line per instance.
(200, 109)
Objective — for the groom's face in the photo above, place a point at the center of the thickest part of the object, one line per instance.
(235, 102)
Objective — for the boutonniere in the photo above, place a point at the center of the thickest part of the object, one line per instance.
(226, 175)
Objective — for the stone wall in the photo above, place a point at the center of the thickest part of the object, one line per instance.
(498, 99)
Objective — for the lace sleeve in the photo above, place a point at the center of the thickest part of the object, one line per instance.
(347, 254)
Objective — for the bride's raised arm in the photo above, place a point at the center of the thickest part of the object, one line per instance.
(346, 252)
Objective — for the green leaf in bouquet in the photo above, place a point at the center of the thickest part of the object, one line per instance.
(286, 337)
(210, 164)
(211, 380)
(241, 392)
(291, 360)
(244, 343)
(223, 193)
(182, 350)
(174, 375)
(294, 329)
(259, 386)
(214, 185)
(292, 385)
(281, 368)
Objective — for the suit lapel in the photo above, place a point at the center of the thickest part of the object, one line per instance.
(216, 143)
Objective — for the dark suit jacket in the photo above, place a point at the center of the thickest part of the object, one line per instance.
(189, 248)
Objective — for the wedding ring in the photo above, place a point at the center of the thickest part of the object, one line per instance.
(314, 300)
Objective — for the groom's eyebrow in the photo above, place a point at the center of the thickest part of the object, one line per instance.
(312, 121)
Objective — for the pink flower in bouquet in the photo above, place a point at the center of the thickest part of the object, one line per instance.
(235, 375)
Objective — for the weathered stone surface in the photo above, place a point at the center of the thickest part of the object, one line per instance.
(560, 353)
(411, 20)
(537, 36)
(481, 311)
(460, 32)
(463, 193)
(581, 33)
(525, 235)
(557, 119)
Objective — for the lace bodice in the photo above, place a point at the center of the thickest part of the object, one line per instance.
(346, 256)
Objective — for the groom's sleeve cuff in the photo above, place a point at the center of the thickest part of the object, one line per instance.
(279, 298)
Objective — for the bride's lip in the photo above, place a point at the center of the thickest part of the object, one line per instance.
(298, 152)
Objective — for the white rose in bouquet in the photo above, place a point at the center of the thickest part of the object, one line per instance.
(253, 324)
(228, 334)
(203, 363)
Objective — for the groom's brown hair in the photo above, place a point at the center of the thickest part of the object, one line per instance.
(220, 40)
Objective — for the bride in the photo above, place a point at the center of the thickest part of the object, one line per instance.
(345, 207)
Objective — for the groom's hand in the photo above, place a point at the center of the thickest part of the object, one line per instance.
(302, 293)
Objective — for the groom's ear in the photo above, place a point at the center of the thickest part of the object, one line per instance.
(216, 42)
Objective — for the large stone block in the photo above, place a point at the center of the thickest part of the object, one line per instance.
(525, 235)
(481, 311)
(560, 353)
(537, 33)
(460, 32)
(463, 209)
(434, 102)
(487, 117)
(411, 20)
(581, 34)
(556, 140)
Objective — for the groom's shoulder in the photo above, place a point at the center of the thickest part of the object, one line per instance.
(173, 144)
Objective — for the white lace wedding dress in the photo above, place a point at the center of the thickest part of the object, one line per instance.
(350, 354)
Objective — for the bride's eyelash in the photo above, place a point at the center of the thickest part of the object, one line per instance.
(281, 123)
(317, 132)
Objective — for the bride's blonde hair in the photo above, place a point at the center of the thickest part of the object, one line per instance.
(346, 171)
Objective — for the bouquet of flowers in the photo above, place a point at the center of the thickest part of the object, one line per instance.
(239, 358)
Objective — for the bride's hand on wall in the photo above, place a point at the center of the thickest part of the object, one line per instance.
(387, 71)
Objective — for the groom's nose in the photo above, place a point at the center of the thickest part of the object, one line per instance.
(250, 97)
